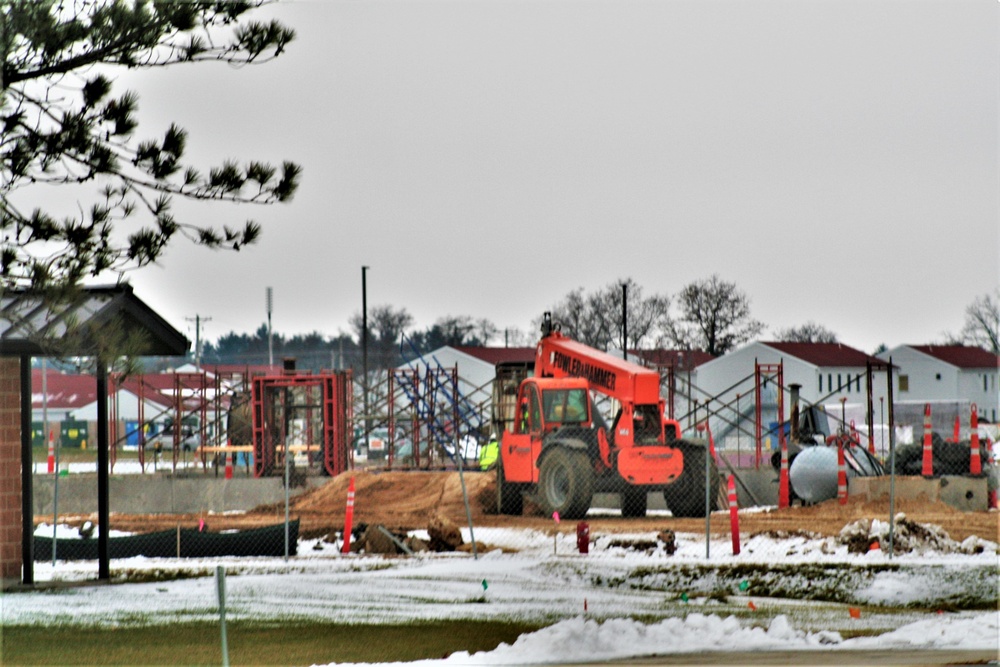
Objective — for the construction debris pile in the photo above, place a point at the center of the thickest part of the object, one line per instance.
(908, 536)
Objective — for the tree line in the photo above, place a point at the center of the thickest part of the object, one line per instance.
(711, 315)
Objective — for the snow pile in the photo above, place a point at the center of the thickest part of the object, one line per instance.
(580, 640)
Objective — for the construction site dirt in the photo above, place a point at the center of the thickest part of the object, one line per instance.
(403, 501)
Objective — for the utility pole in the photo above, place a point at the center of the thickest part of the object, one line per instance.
(364, 346)
(270, 335)
(625, 321)
(197, 319)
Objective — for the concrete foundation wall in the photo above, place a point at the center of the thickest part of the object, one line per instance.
(161, 494)
(170, 494)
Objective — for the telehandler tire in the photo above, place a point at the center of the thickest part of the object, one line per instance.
(634, 501)
(510, 497)
(566, 483)
(685, 498)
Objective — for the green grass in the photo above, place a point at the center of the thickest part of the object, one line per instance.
(287, 643)
(77, 455)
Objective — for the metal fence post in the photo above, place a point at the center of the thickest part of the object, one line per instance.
(220, 581)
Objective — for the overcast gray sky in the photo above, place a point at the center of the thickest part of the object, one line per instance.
(836, 160)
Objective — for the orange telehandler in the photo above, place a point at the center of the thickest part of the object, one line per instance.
(559, 449)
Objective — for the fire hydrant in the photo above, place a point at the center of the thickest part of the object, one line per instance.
(583, 537)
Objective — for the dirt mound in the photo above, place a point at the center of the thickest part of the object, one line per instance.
(408, 500)
(397, 500)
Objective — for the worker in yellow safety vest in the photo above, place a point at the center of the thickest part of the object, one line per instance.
(489, 453)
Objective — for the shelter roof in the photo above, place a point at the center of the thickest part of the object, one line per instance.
(34, 323)
(961, 356)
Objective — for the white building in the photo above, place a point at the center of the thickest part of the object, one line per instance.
(947, 374)
(476, 368)
(825, 374)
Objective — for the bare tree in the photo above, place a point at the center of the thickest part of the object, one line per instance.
(451, 330)
(517, 337)
(715, 317)
(810, 332)
(595, 319)
(385, 327)
(982, 322)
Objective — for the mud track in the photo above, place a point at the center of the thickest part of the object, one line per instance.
(408, 500)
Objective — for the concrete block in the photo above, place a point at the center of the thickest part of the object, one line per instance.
(964, 493)
(756, 486)
(968, 494)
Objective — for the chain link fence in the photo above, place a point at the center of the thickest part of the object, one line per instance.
(521, 468)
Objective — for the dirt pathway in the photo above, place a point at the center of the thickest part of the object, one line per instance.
(408, 500)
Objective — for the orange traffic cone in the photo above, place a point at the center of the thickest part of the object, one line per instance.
(52, 454)
(349, 518)
(927, 469)
(841, 473)
(734, 516)
(975, 461)
(783, 491)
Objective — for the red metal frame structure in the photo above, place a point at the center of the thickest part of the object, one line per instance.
(114, 384)
(138, 386)
(274, 401)
(190, 399)
(763, 373)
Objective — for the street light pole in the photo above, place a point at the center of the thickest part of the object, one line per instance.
(364, 346)
(270, 336)
(625, 321)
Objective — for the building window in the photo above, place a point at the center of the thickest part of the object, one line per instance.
(986, 382)
(937, 376)
(840, 383)
(904, 383)
(821, 383)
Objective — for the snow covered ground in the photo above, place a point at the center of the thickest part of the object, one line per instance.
(627, 597)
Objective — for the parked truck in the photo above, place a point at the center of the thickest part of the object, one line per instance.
(560, 449)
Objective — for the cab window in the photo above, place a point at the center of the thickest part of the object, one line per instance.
(565, 406)
(646, 422)
(530, 414)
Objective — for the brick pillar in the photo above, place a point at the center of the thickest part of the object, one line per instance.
(10, 470)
